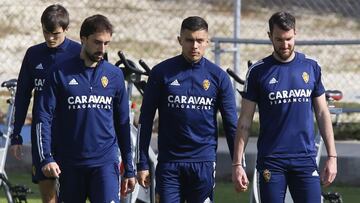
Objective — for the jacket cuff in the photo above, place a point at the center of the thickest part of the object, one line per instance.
(142, 166)
(46, 161)
(129, 174)
(16, 139)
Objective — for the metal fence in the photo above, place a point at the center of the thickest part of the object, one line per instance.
(335, 22)
(145, 29)
(148, 29)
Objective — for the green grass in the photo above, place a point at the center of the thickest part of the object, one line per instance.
(23, 179)
(349, 194)
(224, 191)
(349, 105)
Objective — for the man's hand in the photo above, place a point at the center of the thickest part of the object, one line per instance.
(239, 178)
(329, 172)
(16, 151)
(127, 186)
(51, 170)
(144, 178)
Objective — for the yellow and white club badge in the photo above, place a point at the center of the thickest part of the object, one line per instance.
(206, 84)
(305, 77)
(267, 175)
(104, 81)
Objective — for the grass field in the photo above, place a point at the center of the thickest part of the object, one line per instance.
(224, 191)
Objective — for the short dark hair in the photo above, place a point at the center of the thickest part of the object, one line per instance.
(283, 20)
(53, 16)
(194, 23)
(94, 24)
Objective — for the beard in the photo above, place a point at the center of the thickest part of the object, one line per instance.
(95, 57)
(284, 56)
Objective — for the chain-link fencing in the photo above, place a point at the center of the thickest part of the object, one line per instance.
(148, 29)
(336, 22)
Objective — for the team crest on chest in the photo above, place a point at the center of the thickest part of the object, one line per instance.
(104, 81)
(305, 77)
(206, 84)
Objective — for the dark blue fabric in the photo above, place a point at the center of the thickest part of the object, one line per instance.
(99, 184)
(36, 65)
(192, 182)
(92, 116)
(300, 174)
(35, 68)
(284, 93)
(187, 97)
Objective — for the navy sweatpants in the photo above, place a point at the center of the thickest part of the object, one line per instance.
(190, 181)
(300, 174)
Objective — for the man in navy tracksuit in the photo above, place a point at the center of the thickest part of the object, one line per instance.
(34, 70)
(87, 96)
(187, 90)
(288, 90)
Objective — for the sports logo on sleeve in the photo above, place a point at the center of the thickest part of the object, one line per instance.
(206, 84)
(305, 77)
(104, 81)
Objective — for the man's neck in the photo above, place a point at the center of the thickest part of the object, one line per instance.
(189, 60)
(87, 61)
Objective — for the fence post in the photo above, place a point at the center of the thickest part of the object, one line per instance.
(236, 58)
(217, 52)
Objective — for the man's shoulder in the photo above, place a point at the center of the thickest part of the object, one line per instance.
(166, 66)
(109, 65)
(306, 58)
(211, 65)
(74, 44)
(71, 63)
(260, 65)
(71, 41)
(69, 48)
(35, 49)
(214, 69)
(167, 62)
(112, 69)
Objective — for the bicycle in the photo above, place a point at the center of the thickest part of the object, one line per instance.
(331, 97)
(17, 193)
(133, 75)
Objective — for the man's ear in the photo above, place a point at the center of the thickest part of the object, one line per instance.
(82, 39)
(179, 40)
(269, 35)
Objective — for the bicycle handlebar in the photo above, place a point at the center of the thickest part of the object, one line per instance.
(130, 65)
(9, 83)
(145, 66)
(236, 77)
